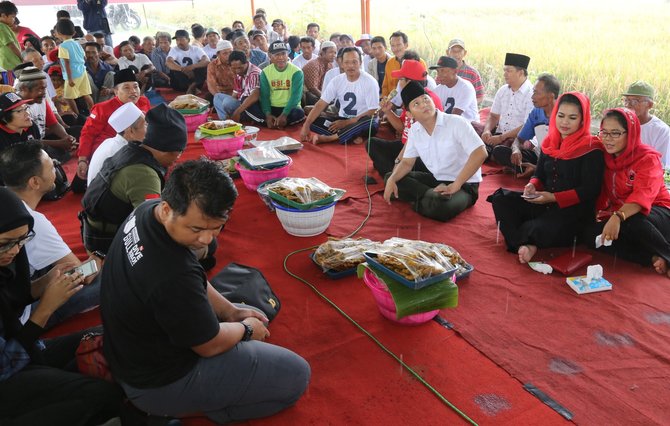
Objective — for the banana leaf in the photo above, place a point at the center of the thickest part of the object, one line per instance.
(441, 295)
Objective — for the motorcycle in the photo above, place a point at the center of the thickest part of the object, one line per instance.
(122, 15)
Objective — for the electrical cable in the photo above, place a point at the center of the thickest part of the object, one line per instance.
(409, 369)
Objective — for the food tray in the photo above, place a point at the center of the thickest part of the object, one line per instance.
(371, 258)
(337, 194)
(468, 270)
(193, 111)
(331, 273)
(218, 132)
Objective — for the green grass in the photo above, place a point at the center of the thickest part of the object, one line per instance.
(597, 47)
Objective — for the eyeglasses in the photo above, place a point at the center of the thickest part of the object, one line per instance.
(611, 135)
(632, 101)
(5, 247)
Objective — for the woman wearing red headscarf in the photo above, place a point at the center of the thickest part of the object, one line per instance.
(560, 198)
(634, 202)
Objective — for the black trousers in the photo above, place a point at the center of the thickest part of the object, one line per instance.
(640, 237)
(417, 188)
(542, 225)
(383, 153)
(48, 394)
(180, 81)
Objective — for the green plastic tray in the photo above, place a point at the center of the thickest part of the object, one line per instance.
(338, 193)
(193, 111)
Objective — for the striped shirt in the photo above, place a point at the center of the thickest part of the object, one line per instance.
(247, 84)
(472, 75)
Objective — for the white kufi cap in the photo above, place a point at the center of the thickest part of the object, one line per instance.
(124, 116)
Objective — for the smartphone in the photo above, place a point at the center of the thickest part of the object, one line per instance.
(530, 196)
(86, 269)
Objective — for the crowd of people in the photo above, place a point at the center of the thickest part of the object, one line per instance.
(73, 96)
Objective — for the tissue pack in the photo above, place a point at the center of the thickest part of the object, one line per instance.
(583, 285)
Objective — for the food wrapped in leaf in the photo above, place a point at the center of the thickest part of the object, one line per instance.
(340, 255)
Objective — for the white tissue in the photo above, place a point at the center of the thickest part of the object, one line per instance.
(593, 272)
(541, 267)
(600, 242)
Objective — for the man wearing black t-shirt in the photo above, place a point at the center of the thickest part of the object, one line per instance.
(173, 342)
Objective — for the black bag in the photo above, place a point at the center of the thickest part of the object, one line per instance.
(62, 184)
(244, 284)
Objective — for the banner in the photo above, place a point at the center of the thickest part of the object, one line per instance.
(74, 2)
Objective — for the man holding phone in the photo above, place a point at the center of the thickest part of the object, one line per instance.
(29, 172)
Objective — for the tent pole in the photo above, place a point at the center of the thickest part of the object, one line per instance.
(363, 16)
(253, 7)
(367, 17)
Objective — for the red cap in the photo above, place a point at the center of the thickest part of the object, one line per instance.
(412, 70)
(53, 55)
(55, 69)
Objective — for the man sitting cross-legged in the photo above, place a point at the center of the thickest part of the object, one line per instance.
(511, 105)
(356, 92)
(452, 152)
(156, 300)
(281, 91)
(523, 154)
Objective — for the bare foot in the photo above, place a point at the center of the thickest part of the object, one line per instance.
(659, 264)
(315, 139)
(526, 253)
(358, 140)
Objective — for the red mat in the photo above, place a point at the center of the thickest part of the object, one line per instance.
(531, 325)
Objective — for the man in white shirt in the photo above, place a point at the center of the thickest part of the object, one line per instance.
(212, 41)
(145, 68)
(31, 84)
(28, 171)
(365, 44)
(313, 30)
(128, 121)
(356, 92)
(451, 151)
(653, 131)
(511, 105)
(307, 46)
(457, 95)
(188, 64)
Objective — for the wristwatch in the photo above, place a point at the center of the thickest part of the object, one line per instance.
(248, 332)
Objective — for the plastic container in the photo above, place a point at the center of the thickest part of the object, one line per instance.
(223, 131)
(331, 273)
(222, 147)
(304, 223)
(253, 178)
(263, 193)
(251, 134)
(195, 120)
(371, 258)
(386, 305)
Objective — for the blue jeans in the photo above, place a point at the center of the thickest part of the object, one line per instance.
(225, 105)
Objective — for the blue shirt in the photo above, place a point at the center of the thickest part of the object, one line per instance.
(258, 57)
(159, 59)
(535, 118)
(99, 77)
(70, 49)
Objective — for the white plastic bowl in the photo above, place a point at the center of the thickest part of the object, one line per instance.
(304, 223)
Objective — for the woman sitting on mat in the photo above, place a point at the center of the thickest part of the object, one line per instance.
(634, 202)
(560, 198)
(39, 384)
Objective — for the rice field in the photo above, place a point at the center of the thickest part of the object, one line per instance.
(598, 47)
